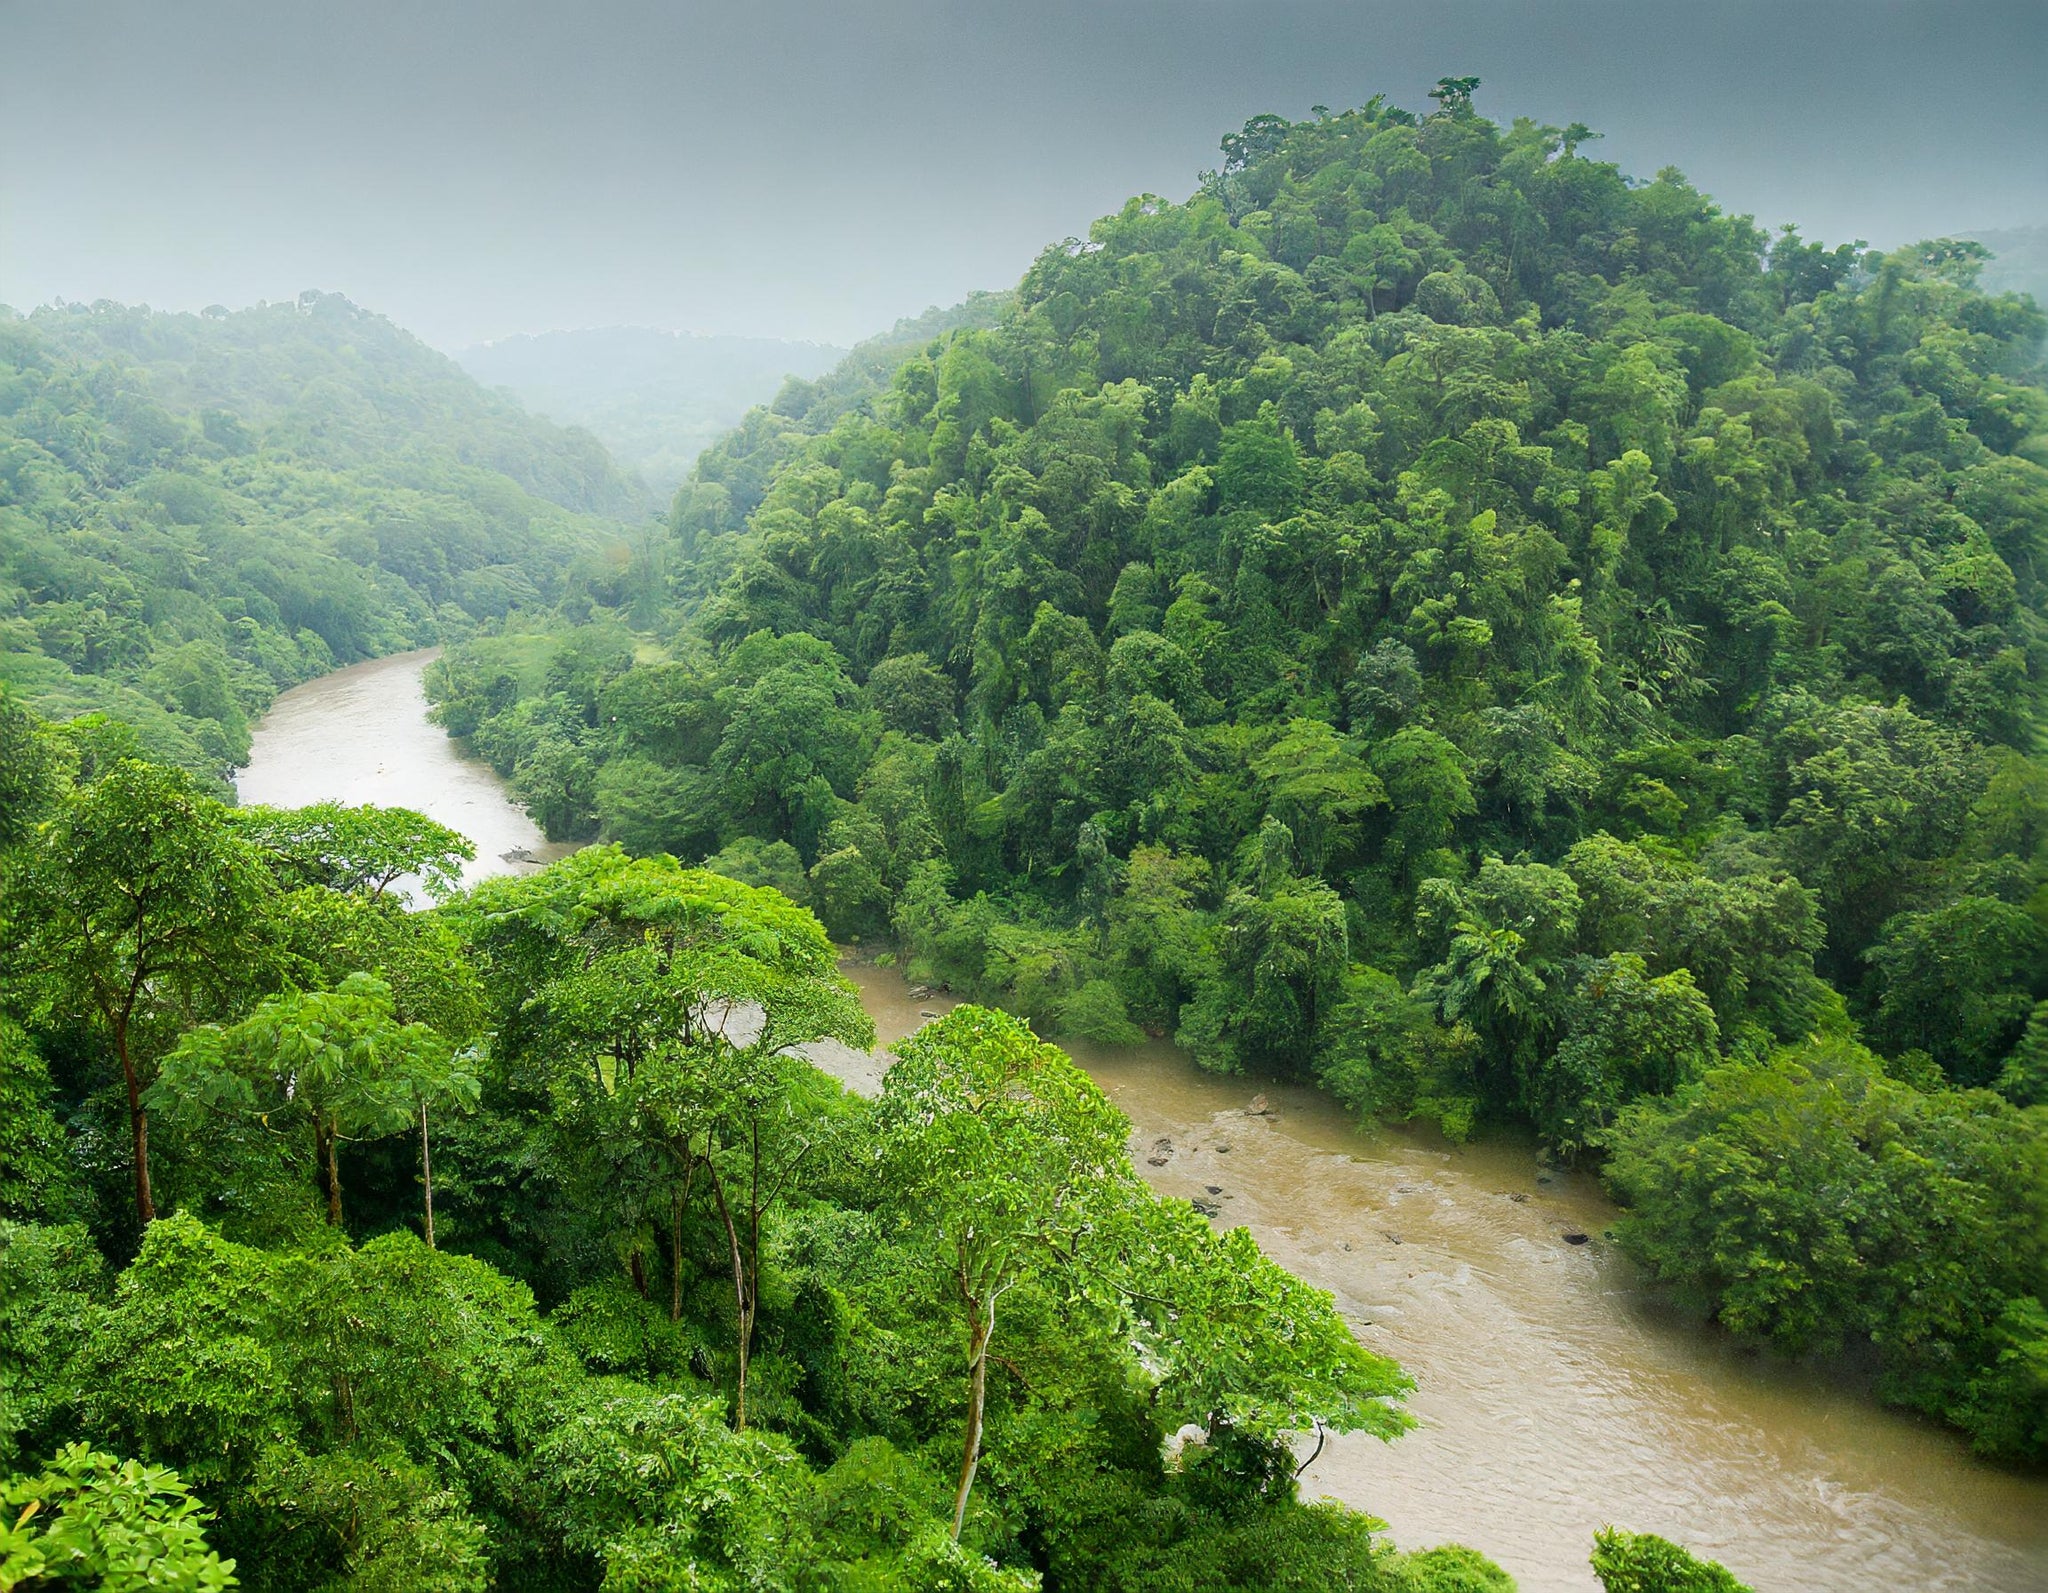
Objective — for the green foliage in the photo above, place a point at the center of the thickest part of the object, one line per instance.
(1642, 1562)
(31, 773)
(112, 1524)
(1626, 1035)
(51, 1282)
(1385, 1054)
(1449, 1569)
(1960, 984)
(1812, 1200)
(367, 849)
(196, 511)
(135, 908)
(38, 1179)
(337, 1062)
(1427, 613)
(1009, 1152)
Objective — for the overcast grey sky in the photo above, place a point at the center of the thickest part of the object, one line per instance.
(474, 168)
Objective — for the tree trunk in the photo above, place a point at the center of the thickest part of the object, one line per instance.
(675, 1257)
(977, 1396)
(138, 1125)
(427, 1174)
(333, 1175)
(742, 1297)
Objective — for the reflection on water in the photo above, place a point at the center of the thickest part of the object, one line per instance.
(1553, 1398)
(361, 734)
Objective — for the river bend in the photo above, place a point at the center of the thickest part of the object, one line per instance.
(1554, 1394)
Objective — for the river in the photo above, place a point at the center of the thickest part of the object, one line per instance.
(362, 734)
(1554, 1394)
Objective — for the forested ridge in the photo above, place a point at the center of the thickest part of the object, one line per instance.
(1436, 615)
(1428, 615)
(513, 1242)
(199, 510)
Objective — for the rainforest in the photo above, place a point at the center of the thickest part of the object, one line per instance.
(1431, 617)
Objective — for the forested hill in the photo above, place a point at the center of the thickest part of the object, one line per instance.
(1436, 613)
(731, 476)
(196, 510)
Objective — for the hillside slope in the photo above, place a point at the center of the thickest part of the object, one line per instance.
(1432, 613)
(197, 510)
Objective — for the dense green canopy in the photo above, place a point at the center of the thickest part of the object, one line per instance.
(197, 510)
(1429, 613)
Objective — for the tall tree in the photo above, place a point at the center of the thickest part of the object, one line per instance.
(660, 1004)
(367, 849)
(140, 910)
(337, 1062)
(1006, 1150)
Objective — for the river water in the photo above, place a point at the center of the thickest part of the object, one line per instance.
(1554, 1395)
(361, 734)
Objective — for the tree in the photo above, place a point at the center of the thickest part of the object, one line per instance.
(1874, 794)
(140, 907)
(1319, 788)
(1281, 948)
(1006, 1151)
(38, 1180)
(1259, 469)
(661, 1004)
(913, 696)
(1625, 1034)
(31, 771)
(800, 717)
(336, 1405)
(53, 1285)
(1489, 981)
(1960, 984)
(337, 1062)
(1156, 932)
(1814, 1201)
(1453, 95)
(1425, 780)
(1236, 1344)
(1382, 1052)
(1642, 1562)
(1502, 940)
(367, 849)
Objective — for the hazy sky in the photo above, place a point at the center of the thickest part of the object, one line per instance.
(814, 171)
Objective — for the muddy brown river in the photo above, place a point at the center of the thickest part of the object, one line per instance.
(1553, 1393)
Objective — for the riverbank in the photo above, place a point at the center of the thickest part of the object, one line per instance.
(1554, 1394)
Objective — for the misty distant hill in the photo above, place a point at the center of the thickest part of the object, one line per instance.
(655, 399)
(197, 511)
(2020, 261)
